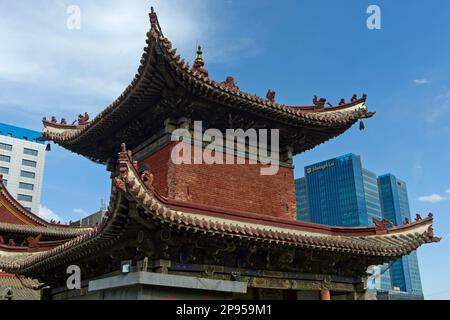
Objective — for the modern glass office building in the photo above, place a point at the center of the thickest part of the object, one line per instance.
(301, 193)
(340, 192)
(405, 273)
(382, 279)
(336, 192)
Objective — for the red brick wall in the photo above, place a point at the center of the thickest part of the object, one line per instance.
(238, 187)
(160, 164)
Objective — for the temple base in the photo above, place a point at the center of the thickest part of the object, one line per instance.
(144, 285)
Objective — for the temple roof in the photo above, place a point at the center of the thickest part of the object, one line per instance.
(15, 219)
(13, 287)
(384, 241)
(164, 79)
(17, 223)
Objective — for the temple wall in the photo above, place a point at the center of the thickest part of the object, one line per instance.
(238, 187)
(160, 165)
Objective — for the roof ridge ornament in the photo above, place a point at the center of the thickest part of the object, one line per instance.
(83, 119)
(199, 64)
(430, 234)
(230, 83)
(383, 225)
(154, 22)
(271, 94)
(319, 103)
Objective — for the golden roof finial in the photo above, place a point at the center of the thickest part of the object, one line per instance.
(199, 62)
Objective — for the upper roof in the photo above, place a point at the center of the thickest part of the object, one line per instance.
(163, 71)
(21, 133)
(383, 242)
(15, 219)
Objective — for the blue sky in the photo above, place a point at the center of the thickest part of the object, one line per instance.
(298, 48)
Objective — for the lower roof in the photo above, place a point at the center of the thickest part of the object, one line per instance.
(379, 241)
(15, 219)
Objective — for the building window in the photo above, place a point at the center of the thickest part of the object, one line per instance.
(30, 152)
(26, 186)
(5, 158)
(29, 163)
(23, 197)
(4, 170)
(27, 174)
(4, 146)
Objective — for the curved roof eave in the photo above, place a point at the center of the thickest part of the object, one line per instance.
(380, 242)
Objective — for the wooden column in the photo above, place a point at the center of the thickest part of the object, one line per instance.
(325, 294)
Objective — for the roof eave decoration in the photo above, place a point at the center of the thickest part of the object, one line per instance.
(31, 224)
(382, 241)
(335, 119)
(140, 187)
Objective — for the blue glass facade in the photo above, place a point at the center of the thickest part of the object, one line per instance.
(340, 192)
(404, 272)
(373, 210)
(336, 192)
(301, 193)
(372, 196)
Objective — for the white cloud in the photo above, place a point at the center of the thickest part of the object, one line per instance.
(434, 198)
(48, 70)
(47, 214)
(94, 63)
(80, 212)
(447, 191)
(422, 81)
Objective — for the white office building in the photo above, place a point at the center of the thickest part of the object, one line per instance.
(22, 160)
